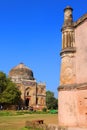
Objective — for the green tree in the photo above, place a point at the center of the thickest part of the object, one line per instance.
(9, 93)
(51, 101)
(3, 82)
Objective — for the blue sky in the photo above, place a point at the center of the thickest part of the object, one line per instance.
(30, 32)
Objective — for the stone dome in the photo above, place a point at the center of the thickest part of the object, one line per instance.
(21, 72)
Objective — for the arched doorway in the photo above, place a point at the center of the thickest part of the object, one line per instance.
(27, 102)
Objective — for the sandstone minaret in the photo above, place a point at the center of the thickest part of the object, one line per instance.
(73, 85)
(68, 49)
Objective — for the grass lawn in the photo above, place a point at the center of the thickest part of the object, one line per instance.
(17, 122)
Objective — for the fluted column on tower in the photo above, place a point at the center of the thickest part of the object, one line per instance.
(67, 53)
(68, 29)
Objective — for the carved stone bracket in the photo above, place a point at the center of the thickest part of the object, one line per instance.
(68, 87)
(68, 50)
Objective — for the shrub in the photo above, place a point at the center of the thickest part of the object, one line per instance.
(53, 111)
(44, 109)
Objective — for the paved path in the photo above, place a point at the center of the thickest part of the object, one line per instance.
(77, 128)
(55, 127)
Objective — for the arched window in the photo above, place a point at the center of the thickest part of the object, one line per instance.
(28, 93)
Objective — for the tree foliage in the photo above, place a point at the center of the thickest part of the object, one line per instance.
(51, 101)
(9, 93)
(3, 82)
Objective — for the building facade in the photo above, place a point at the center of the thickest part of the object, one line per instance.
(33, 94)
(73, 75)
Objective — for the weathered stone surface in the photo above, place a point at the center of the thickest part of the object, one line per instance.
(81, 54)
(68, 75)
(73, 76)
(73, 108)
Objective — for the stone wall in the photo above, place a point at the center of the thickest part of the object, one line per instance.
(81, 52)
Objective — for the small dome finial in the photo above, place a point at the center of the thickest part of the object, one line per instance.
(68, 17)
(68, 8)
(21, 63)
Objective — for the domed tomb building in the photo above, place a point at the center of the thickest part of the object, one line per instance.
(33, 94)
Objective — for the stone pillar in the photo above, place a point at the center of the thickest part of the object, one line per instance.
(67, 102)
